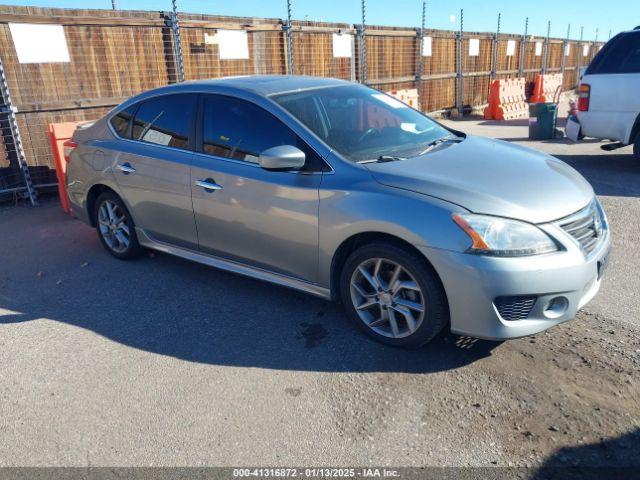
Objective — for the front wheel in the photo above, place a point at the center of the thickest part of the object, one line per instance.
(115, 227)
(394, 295)
(636, 148)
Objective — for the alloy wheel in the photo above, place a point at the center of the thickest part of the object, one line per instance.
(387, 298)
(113, 226)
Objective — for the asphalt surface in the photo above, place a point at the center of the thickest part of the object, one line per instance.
(160, 361)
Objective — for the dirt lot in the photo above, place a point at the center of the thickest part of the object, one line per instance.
(164, 362)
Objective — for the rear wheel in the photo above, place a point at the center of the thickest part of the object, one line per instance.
(636, 148)
(393, 295)
(115, 226)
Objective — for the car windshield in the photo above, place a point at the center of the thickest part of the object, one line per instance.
(363, 124)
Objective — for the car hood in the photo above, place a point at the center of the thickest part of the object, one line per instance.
(492, 177)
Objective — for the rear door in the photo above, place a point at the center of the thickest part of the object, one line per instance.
(614, 80)
(267, 219)
(153, 168)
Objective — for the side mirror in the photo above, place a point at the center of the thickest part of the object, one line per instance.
(282, 157)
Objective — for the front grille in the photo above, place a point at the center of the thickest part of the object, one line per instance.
(516, 307)
(586, 226)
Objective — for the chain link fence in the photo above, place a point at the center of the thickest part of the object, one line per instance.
(113, 55)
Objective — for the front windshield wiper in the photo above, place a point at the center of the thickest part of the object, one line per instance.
(382, 159)
(437, 142)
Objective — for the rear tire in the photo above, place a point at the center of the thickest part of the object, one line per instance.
(115, 227)
(636, 148)
(393, 295)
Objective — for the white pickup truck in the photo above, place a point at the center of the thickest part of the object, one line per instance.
(609, 93)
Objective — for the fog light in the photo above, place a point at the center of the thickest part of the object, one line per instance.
(556, 307)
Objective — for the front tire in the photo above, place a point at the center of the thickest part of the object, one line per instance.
(636, 148)
(393, 295)
(115, 227)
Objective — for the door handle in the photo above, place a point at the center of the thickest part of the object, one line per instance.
(208, 184)
(126, 168)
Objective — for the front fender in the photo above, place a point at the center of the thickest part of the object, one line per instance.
(366, 207)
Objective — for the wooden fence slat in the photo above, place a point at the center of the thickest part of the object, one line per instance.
(117, 54)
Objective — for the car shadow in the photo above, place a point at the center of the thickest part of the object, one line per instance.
(169, 306)
(609, 174)
(558, 140)
(616, 458)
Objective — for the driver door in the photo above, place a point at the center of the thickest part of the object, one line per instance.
(267, 219)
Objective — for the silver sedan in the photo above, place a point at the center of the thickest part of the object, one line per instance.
(344, 192)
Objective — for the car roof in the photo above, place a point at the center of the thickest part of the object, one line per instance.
(264, 85)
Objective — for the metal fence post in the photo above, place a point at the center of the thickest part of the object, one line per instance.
(565, 42)
(579, 52)
(459, 72)
(177, 43)
(420, 55)
(10, 111)
(545, 58)
(289, 45)
(523, 48)
(362, 35)
(494, 57)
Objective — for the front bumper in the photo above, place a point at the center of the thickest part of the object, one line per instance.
(472, 283)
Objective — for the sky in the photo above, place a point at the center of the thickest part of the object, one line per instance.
(604, 15)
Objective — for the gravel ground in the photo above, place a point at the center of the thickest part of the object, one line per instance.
(164, 362)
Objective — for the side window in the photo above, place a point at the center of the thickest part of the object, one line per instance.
(237, 129)
(631, 61)
(620, 55)
(165, 120)
(121, 121)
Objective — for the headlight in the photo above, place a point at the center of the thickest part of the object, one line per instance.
(504, 237)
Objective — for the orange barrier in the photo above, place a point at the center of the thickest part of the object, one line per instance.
(546, 87)
(507, 100)
(58, 134)
(408, 96)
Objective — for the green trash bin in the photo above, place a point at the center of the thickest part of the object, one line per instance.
(542, 120)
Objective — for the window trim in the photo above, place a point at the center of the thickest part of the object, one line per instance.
(199, 137)
(192, 128)
(135, 106)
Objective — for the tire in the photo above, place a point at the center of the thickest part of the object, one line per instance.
(116, 232)
(636, 148)
(357, 289)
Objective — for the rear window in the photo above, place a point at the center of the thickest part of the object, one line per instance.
(620, 55)
(165, 120)
(122, 120)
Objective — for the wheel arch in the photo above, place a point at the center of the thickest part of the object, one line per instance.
(635, 130)
(92, 195)
(358, 240)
